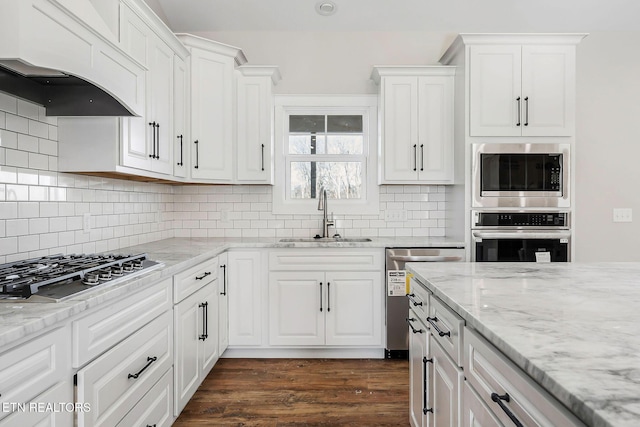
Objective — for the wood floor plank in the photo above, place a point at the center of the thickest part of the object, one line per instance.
(301, 392)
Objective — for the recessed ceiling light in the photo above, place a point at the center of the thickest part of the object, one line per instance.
(326, 8)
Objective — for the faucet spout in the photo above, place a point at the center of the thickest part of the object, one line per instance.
(322, 206)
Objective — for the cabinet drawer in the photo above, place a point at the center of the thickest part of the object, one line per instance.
(59, 396)
(489, 371)
(31, 368)
(187, 282)
(326, 259)
(155, 408)
(104, 328)
(117, 380)
(419, 300)
(446, 328)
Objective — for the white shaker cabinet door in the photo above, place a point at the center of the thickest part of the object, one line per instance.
(548, 90)
(495, 99)
(354, 308)
(246, 305)
(400, 128)
(297, 306)
(180, 136)
(211, 116)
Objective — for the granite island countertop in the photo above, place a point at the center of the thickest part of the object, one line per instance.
(573, 327)
(19, 320)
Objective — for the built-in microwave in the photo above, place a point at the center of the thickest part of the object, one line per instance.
(520, 175)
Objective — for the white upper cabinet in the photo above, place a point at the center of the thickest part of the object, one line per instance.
(136, 146)
(180, 137)
(211, 90)
(521, 85)
(416, 124)
(254, 123)
(146, 141)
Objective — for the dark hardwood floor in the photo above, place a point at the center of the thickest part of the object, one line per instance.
(301, 392)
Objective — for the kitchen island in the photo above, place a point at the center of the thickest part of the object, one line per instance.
(573, 328)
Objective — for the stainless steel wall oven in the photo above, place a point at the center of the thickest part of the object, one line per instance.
(520, 236)
(520, 175)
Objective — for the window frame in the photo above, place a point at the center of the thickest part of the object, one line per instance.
(365, 105)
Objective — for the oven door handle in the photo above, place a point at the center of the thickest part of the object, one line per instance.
(520, 234)
(425, 258)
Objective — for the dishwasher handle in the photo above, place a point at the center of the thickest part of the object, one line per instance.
(426, 258)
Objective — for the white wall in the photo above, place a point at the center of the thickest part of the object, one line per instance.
(608, 146)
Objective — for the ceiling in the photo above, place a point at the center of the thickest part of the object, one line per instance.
(402, 15)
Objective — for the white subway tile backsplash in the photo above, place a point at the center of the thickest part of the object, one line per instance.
(17, 158)
(38, 161)
(8, 139)
(17, 227)
(28, 109)
(8, 103)
(38, 129)
(17, 124)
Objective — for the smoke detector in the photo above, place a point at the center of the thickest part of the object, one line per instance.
(326, 8)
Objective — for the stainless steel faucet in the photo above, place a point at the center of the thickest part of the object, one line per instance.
(322, 206)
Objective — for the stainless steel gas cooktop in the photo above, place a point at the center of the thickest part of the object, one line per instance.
(58, 277)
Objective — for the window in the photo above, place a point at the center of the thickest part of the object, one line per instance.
(324, 142)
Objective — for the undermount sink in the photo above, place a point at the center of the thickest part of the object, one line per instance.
(327, 239)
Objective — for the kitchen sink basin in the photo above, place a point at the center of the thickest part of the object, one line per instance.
(327, 239)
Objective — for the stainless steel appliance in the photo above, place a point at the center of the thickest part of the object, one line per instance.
(55, 278)
(520, 236)
(397, 307)
(520, 175)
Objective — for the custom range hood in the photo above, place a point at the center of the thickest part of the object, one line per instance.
(63, 55)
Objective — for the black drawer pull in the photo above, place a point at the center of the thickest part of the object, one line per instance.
(415, 331)
(328, 296)
(320, 296)
(149, 425)
(424, 381)
(432, 320)
(150, 360)
(415, 303)
(498, 399)
(207, 273)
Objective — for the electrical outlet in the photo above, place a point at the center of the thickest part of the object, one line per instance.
(86, 222)
(395, 215)
(622, 215)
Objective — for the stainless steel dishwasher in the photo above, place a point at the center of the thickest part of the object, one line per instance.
(397, 303)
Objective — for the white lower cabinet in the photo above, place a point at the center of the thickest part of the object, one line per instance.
(223, 303)
(419, 371)
(37, 372)
(196, 325)
(325, 308)
(457, 378)
(113, 383)
(246, 275)
(154, 409)
(507, 392)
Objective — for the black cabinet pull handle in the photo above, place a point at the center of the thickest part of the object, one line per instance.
(432, 320)
(204, 335)
(414, 330)
(206, 273)
(196, 165)
(262, 156)
(415, 303)
(153, 137)
(150, 360)
(149, 425)
(224, 279)
(180, 162)
(518, 101)
(320, 296)
(328, 296)
(415, 157)
(498, 399)
(158, 140)
(425, 386)
(421, 157)
(526, 111)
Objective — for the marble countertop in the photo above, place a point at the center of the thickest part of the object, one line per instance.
(19, 320)
(573, 327)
